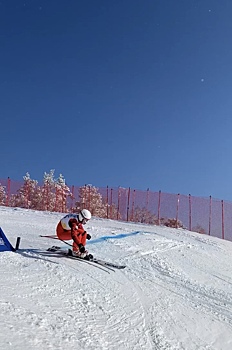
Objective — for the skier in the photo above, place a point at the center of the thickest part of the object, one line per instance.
(71, 227)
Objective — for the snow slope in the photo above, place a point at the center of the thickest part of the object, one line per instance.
(175, 293)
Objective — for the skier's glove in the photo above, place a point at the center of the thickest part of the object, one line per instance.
(88, 236)
(81, 248)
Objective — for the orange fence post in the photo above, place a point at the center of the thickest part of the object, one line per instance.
(133, 207)
(107, 202)
(8, 192)
(159, 201)
(177, 209)
(223, 226)
(111, 196)
(190, 213)
(210, 213)
(128, 205)
(147, 199)
(118, 203)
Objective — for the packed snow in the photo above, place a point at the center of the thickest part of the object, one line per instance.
(175, 292)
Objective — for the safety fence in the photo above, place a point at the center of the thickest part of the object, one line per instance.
(208, 216)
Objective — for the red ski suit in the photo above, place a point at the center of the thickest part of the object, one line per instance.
(70, 228)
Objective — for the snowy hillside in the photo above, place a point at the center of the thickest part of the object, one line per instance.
(175, 293)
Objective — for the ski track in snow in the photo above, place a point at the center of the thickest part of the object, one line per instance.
(175, 293)
(116, 310)
(214, 304)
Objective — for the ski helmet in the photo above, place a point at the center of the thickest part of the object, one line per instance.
(84, 216)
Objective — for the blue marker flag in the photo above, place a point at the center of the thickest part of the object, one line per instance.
(4, 243)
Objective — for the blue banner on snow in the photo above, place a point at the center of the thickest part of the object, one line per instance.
(120, 236)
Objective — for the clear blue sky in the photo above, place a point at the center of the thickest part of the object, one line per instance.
(126, 93)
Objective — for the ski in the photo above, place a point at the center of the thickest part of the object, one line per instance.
(94, 260)
(65, 253)
(107, 263)
(59, 252)
(91, 262)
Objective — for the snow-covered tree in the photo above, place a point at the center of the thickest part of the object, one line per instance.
(48, 191)
(113, 213)
(199, 229)
(91, 199)
(62, 194)
(54, 193)
(171, 222)
(28, 194)
(51, 196)
(144, 216)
